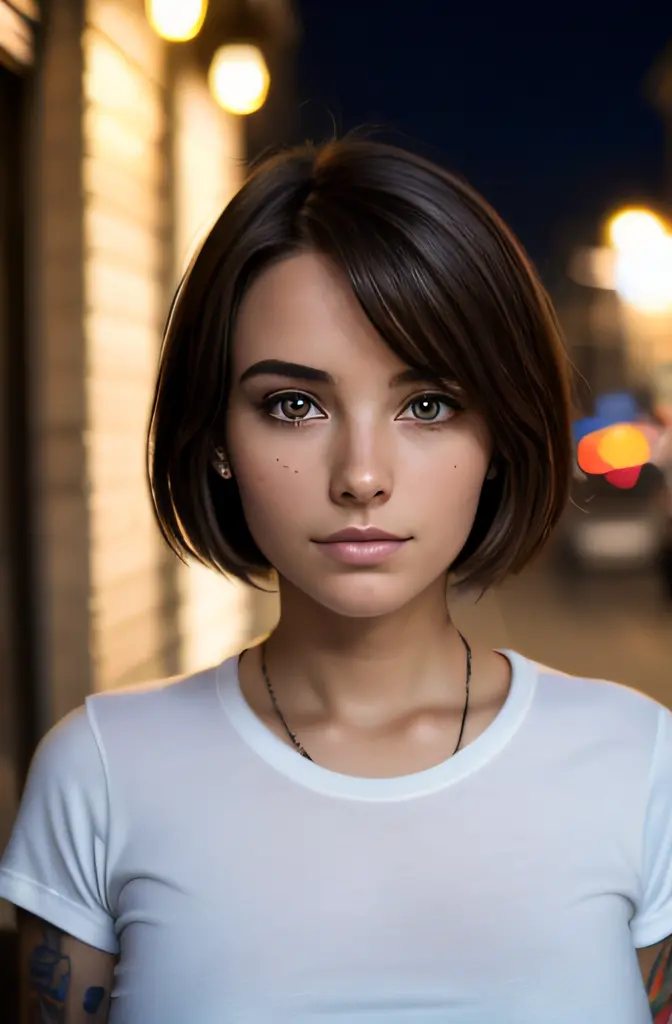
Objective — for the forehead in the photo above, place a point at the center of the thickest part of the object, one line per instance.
(303, 310)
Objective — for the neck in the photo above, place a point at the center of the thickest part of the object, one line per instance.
(326, 663)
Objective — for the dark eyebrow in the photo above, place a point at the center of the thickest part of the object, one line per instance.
(415, 375)
(294, 371)
(297, 371)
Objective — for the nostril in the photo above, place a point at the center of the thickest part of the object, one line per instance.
(362, 496)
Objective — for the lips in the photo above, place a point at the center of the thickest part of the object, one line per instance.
(360, 534)
(365, 547)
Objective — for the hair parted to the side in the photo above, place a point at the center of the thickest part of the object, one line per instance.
(446, 286)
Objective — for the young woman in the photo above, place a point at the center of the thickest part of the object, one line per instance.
(362, 395)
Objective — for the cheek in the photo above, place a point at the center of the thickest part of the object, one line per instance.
(274, 487)
(457, 494)
(455, 479)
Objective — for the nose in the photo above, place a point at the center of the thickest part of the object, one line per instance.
(361, 471)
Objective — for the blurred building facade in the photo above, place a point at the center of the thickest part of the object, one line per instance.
(114, 159)
(617, 344)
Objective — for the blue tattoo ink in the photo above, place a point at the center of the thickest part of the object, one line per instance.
(93, 998)
(49, 973)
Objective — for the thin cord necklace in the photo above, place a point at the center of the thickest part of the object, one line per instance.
(299, 746)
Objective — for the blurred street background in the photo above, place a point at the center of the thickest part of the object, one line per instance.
(126, 125)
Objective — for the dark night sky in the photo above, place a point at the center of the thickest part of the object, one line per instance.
(550, 123)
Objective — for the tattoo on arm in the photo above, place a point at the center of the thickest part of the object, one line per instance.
(49, 973)
(659, 986)
(93, 999)
(50, 982)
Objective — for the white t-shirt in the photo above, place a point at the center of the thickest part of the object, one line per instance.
(241, 883)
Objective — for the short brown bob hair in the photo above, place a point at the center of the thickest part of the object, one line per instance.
(446, 286)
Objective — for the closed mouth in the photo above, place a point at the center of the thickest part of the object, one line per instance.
(361, 535)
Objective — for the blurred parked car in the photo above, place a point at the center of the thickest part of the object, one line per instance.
(606, 528)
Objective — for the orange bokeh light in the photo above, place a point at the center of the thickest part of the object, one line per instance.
(588, 456)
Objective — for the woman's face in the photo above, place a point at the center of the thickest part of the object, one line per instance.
(328, 431)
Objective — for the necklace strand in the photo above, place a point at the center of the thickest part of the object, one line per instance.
(299, 746)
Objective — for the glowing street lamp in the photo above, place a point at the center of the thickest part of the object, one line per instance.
(178, 21)
(635, 229)
(644, 278)
(239, 78)
(643, 261)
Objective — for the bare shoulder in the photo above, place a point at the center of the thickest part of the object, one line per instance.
(63, 980)
(656, 965)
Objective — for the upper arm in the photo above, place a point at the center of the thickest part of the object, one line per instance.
(63, 980)
(656, 965)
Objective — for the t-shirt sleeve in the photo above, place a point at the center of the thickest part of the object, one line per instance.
(55, 863)
(653, 918)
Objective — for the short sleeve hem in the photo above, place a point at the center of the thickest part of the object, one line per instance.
(62, 913)
(648, 933)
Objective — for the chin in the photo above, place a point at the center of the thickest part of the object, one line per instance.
(362, 595)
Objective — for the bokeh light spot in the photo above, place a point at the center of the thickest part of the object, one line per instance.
(624, 478)
(588, 456)
(623, 446)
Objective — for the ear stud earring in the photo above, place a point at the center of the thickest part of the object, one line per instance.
(221, 464)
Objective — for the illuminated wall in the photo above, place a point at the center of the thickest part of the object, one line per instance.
(215, 614)
(122, 194)
(126, 219)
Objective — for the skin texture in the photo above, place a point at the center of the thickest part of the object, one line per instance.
(64, 981)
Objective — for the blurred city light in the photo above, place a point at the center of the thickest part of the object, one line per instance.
(617, 451)
(635, 229)
(643, 264)
(644, 276)
(616, 442)
(239, 78)
(176, 20)
(624, 446)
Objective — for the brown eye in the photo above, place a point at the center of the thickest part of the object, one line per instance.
(293, 407)
(296, 408)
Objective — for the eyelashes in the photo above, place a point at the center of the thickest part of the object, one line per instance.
(431, 408)
(297, 407)
(292, 407)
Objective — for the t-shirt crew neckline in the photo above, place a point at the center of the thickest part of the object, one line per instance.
(284, 759)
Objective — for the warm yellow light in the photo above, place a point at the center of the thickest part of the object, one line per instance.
(643, 277)
(176, 20)
(632, 230)
(623, 446)
(239, 78)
